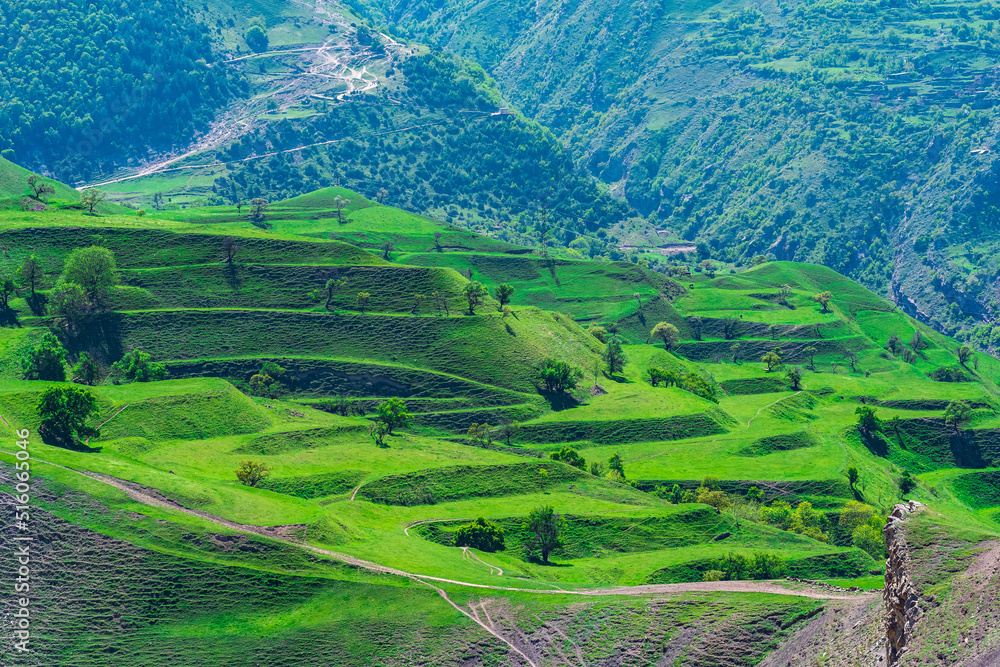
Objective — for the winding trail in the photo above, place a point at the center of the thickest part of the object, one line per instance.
(769, 405)
(153, 498)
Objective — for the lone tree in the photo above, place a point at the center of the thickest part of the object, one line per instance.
(616, 464)
(387, 248)
(363, 300)
(852, 476)
(508, 431)
(257, 207)
(545, 528)
(251, 473)
(377, 433)
(437, 241)
(480, 534)
(340, 204)
(64, 412)
(851, 357)
(558, 376)
(46, 362)
(230, 247)
(917, 341)
(772, 359)
(91, 198)
(964, 355)
(30, 274)
(256, 35)
(382, 194)
(7, 290)
(823, 299)
(40, 187)
(868, 421)
(570, 456)
(811, 352)
(894, 344)
(667, 333)
(614, 356)
(503, 292)
(333, 285)
(957, 413)
(393, 414)
(794, 376)
(94, 270)
(474, 293)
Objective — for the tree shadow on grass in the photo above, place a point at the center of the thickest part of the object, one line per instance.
(232, 277)
(70, 444)
(38, 303)
(560, 400)
(875, 444)
(8, 318)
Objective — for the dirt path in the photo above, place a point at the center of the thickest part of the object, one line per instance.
(769, 405)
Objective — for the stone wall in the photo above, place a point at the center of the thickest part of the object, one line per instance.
(900, 596)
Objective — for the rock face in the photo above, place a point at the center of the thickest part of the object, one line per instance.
(900, 596)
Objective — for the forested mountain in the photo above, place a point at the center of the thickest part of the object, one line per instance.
(858, 135)
(85, 82)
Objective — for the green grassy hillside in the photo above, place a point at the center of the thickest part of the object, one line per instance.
(735, 438)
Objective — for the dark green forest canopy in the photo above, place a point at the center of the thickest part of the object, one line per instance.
(83, 81)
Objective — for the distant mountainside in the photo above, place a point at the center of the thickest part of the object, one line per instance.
(857, 135)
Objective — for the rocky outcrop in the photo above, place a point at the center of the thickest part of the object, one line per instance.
(900, 595)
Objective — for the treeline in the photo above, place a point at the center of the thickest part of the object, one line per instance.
(454, 155)
(83, 82)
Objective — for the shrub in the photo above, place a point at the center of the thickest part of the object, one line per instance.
(714, 575)
(137, 366)
(86, 370)
(736, 567)
(251, 473)
(480, 534)
(570, 456)
(949, 374)
(47, 361)
(558, 376)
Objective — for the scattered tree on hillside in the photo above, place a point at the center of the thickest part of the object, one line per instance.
(333, 285)
(251, 473)
(364, 298)
(735, 349)
(64, 412)
(957, 413)
(441, 302)
(917, 341)
(964, 355)
(137, 366)
(730, 328)
(558, 376)
(908, 355)
(7, 290)
(340, 203)
(894, 344)
(868, 421)
(382, 194)
(755, 495)
(257, 207)
(864, 525)
(69, 302)
(508, 431)
(480, 434)
(480, 534)
(614, 356)
(758, 260)
(506, 312)
(40, 187)
(638, 298)
(418, 302)
(230, 247)
(772, 359)
(794, 376)
(393, 413)
(94, 270)
(853, 476)
(45, 362)
(597, 469)
(655, 375)
(91, 198)
(503, 292)
(437, 241)
(387, 248)
(474, 293)
(616, 464)
(30, 274)
(86, 370)
(708, 266)
(851, 358)
(823, 299)
(811, 352)
(377, 433)
(267, 383)
(667, 333)
(598, 332)
(570, 456)
(256, 35)
(545, 528)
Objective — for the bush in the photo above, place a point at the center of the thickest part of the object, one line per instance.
(736, 567)
(46, 362)
(64, 412)
(137, 366)
(558, 376)
(570, 456)
(950, 374)
(480, 534)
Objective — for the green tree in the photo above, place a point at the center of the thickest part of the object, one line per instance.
(480, 534)
(393, 413)
(256, 35)
(964, 355)
(615, 463)
(64, 412)
(794, 376)
(667, 333)
(868, 420)
(86, 370)
(47, 361)
(30, 274)
(508, 431)
(598, 332)
(772, 359)
(137, 366)
(251, 473)
(503, 292)
(869, 538)
(94, 270)
(40, 187)
(570, 456)
(957, 413)
(340, 203)
(545, 529)
(480, 435)
(7, 290)
(258, 205)
(230, 248)
(917, 341)
(364, 298)
(823, 299)
(91, 198)
(69, 302)
(387, 248)
(811, 352)
(755, 495)
(614, 356)
(333, 285)
(377, 432)
(558, 376)
(853, 476)
(474, 293)
(894, 344)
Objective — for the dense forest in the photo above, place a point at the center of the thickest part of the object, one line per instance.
(455, 154)
(87, 81)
